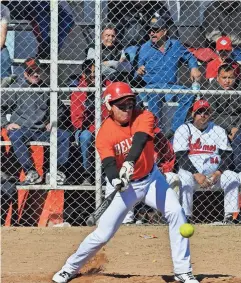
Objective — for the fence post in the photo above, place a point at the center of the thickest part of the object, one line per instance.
(98, 85)
(53, 93)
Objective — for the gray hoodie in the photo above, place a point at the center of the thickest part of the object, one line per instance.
(27, 109)
(226, 109)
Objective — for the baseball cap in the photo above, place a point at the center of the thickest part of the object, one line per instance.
(32, 64)
(200, 104)
(224, 43)
(157, 23)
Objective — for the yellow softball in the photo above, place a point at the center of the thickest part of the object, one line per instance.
(186, 230)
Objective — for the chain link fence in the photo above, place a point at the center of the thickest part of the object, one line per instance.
(56, 59)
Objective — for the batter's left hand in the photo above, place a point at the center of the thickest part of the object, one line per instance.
(127, 170)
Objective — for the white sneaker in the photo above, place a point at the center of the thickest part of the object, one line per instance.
(61, 178)
(185, 278)
(62, 277)
(32, 178)
(64, 224)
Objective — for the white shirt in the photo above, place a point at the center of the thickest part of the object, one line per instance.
(203, 146)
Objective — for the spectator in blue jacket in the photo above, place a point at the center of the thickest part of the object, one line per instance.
(158, 63)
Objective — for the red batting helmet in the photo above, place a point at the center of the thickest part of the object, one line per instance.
(116, 91)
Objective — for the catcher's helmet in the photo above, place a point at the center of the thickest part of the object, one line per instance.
(116, 91)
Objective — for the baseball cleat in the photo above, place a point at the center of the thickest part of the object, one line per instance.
(63, 277)
(185, 278)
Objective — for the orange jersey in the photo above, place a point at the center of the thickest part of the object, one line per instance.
(115, 141)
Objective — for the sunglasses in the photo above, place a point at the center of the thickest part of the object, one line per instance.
(156, 30)
(202, 111)
(31, 72)
(125, 106)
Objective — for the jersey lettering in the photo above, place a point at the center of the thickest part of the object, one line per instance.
(123, 147)
(197, 147)
(214, 160)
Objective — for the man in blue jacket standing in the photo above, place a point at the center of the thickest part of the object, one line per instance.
(158, 64)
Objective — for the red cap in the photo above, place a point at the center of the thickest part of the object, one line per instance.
(199, 104)
(32, 64)
(224, 43)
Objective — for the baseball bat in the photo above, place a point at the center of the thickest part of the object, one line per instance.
(95, 216)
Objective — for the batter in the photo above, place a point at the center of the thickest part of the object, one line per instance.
(125, 145)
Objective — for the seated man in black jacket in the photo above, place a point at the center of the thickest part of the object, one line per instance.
(227, 108)
(30, 121)
(204, 156)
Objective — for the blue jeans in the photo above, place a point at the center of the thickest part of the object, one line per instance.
(5, 63)
(155, 103)
(236, 145)
(236, 53)
(84, 139)
(20, 137)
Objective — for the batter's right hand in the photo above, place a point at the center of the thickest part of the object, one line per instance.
(122, 183)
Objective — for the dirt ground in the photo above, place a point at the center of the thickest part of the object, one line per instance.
(33, 255)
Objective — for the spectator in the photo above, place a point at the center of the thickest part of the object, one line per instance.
(83, 117)
(158, 66)
(30, 120)
(38, 13)
(5, 58)
(222, 18)
(226, 108)
(224, 50)
(112, 62)
(111, 49)
(204, 156)
(164, 154)
(165, 159)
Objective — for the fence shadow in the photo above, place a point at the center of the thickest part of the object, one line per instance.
(165, 278)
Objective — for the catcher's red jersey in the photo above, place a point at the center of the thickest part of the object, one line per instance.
(114, 140)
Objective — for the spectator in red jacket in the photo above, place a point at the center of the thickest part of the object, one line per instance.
(224, 49)
(83, 116)
(164, 153)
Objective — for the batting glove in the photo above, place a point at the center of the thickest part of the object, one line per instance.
(127, 170)
(122, 183)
